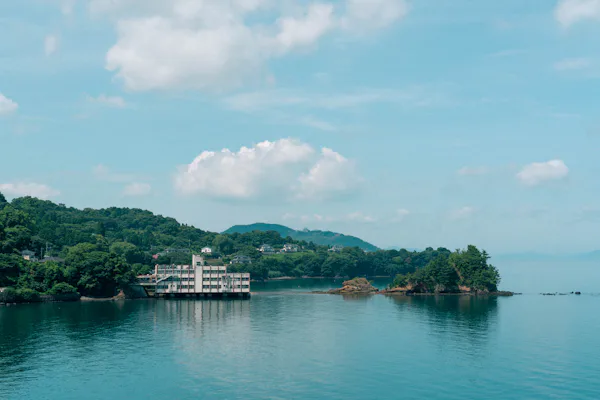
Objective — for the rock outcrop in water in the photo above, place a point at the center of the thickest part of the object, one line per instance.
(355, 286)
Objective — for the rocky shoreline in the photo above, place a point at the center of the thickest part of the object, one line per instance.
(361, 286)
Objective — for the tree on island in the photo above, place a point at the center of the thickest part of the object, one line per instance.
(462, 270)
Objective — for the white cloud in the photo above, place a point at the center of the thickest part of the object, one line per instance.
(470, 171)
(67, 6)
(214, 44)
(137, 189)
(330, 176)
(29, 189)
(305, 31)
(103, 173)
(462, 213)
(540, 172)
(111, 101)
(284, 168)
(316, 123)
(571, 64)
(7, 106)
(401, 215)
(50, 44)
(569, 12)
(269, 99)
(373, 14)
(359, 217)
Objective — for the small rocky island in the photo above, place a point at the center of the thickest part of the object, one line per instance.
(463, 272)
(354, 286)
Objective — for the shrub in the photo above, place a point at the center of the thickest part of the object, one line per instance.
(8, 295)
(62, 288)
(27, 295)
(275, 274)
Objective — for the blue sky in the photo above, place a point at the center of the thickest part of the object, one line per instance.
(407, 123)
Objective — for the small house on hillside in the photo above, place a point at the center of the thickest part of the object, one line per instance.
(290, 248)
(206, 250)
(336, 248)
(241, 260)
(28, 255)
(266, 249)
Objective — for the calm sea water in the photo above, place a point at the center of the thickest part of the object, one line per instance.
(285, 344)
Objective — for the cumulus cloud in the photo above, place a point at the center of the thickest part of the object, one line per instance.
(38, 190)
(540, 172)
(569, 12)
(137, 189)
(571, 64)
(373, 14)
(7, 106)
(50, 44)
(110, 101)
(285, 168)
(214, 44)
(305, 31)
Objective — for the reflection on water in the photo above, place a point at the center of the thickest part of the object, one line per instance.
(355, 297)
(284, 344)
(310, 284)
(464, 321)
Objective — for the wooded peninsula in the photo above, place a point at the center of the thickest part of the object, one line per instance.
(49, 249)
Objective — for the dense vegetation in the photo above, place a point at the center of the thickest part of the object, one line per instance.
(100, 251)
(323, 238)
(462, 270)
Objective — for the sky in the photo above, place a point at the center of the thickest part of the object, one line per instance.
(406, 123)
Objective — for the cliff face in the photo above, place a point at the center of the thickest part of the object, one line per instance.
(355, 286)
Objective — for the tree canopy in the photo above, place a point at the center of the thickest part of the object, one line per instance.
(98, 251)
(462, 270)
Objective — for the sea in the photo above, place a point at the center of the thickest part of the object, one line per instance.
(287, 343)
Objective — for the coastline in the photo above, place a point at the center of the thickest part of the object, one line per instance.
(291, 278)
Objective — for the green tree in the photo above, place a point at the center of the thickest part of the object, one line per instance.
(62, 288)
(223, 244)
(10, 267)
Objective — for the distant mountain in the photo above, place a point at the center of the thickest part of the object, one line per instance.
(324, 238)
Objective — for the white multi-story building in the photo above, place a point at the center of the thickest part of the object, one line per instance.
(199, 278)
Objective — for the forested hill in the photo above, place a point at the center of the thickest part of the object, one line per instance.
(48, 248)
(323, 238)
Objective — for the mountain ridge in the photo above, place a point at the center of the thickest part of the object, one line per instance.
(325, 238)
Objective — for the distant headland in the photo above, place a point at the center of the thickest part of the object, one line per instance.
(52, 252)
(459, 272)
